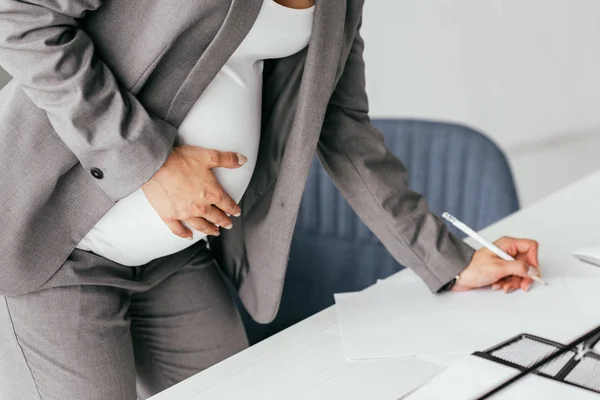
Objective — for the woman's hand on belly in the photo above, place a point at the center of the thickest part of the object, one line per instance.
(185, 190)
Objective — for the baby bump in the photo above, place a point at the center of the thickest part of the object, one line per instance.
(132, 233)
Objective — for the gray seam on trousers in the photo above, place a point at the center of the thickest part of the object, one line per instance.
(150, 353)
(21, 347)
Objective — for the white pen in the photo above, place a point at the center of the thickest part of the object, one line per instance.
(490, 246)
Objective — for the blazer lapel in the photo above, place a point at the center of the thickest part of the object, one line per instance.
(238, 22)
(320, 74)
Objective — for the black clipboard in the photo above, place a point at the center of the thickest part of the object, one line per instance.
(575, 364)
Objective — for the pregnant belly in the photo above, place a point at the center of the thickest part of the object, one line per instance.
(132, 233)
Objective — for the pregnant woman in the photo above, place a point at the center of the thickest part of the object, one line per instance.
(151, 149)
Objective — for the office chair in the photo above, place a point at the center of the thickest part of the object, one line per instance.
(456, 168)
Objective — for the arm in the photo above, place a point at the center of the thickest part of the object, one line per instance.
(104, 125)
(374, 182)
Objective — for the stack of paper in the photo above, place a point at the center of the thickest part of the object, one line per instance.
(472, 377)
(401, 318)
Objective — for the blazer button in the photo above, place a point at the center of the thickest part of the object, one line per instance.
(97, 173)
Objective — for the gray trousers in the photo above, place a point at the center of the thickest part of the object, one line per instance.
(97, 328)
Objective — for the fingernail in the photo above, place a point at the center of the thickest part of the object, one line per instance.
(495, 287)
(237, 215)
(190, 237)
(229, 226)
(533, 272)
(229, 215)
(217, 233)
(241, 159)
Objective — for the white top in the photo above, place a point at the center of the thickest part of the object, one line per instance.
(306, 361)
(226, 117)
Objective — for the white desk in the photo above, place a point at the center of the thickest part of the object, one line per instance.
(306, 362)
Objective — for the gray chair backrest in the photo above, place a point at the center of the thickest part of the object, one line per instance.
(456, 168)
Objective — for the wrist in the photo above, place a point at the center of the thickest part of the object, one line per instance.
(453, 274)
(458, 286)
(449, 287)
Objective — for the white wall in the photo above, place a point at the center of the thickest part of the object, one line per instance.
(526, 72)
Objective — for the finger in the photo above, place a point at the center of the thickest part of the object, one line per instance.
(520, 247)
(225, 159)
(526, 284)
(215, 194)
(202, 225)
(217, 217)
(179, 229)
(513, 283)
(500, 283)
(508, 288)
(532, 255)
(224, 202)
(517, 267)
(532, 269)
(535, 271)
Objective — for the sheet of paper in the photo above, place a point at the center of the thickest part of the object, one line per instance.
(403, 319)
(473, 376)
(439, 359)
(442, 359)
(586, 294)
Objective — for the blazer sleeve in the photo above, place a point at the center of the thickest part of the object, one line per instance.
(374, 182)
(104, 125)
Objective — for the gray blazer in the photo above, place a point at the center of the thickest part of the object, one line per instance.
(104, 85)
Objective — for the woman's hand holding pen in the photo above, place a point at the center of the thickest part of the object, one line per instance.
(486, 268)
